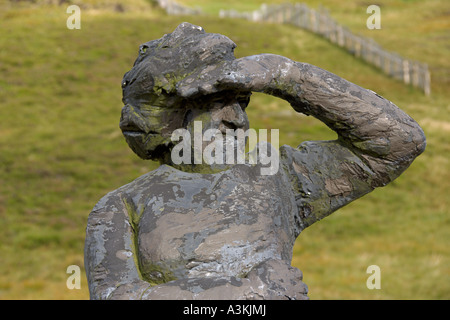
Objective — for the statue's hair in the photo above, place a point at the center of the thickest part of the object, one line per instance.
(162, 63)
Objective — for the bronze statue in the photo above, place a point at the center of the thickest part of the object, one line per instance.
(226, 231)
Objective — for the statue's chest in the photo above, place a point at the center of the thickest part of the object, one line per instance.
(189, 220)
(222, 198)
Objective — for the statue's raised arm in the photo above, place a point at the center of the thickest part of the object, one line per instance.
(376, 140)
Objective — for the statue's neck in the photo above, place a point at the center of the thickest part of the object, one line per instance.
(200, 168)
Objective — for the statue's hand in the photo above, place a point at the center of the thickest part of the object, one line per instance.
(261, 73)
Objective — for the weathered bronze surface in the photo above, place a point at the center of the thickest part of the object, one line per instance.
(226, 231)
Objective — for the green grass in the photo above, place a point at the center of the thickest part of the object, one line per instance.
(61, 149)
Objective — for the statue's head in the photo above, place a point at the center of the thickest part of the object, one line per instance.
(155, 96)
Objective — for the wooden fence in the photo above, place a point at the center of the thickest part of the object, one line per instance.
(173, 8)
(320, 22)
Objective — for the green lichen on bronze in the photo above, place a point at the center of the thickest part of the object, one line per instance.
(167, 84)
(320, 208)
(133, 217)
(155, 273)
(284, 90)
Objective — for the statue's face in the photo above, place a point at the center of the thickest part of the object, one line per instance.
(148, 129)
(221, 111)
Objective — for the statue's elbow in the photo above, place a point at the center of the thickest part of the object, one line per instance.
(402, 151)
(421, 141)
(411, 145)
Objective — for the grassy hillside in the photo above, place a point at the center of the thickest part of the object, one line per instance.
(61, 149)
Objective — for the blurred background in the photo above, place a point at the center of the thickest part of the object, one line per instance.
(61, 149)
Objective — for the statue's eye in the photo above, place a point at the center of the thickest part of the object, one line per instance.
(244, 101)
(219, 100)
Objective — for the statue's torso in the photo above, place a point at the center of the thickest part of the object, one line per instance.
(210, 224)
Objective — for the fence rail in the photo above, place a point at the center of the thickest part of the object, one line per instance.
(320, 22)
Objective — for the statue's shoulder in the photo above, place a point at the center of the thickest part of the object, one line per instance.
(146, 180)
(135, 189)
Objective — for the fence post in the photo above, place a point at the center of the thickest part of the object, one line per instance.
(289, 9)
(405, 64)
(263, 10)
(306, 17)
(348, 40)
(313, 19)
(295, 15)
(323, 23)
(340, 36)
(363, 48)
(427, 84)
(415, 74)
(377, 57)
(358, 46)
(383, 61)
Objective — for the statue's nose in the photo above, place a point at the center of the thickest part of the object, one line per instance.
(131, 120)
